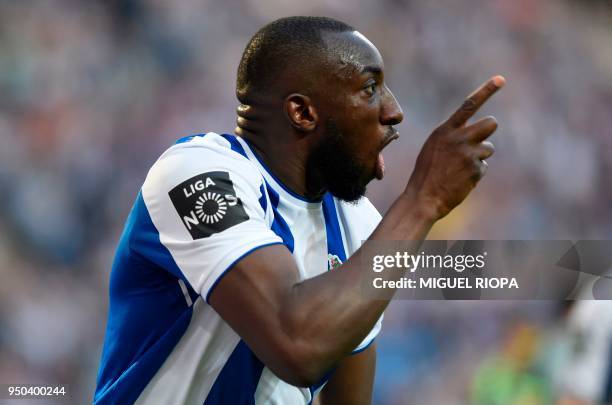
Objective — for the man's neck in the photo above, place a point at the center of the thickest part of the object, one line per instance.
(286, 160)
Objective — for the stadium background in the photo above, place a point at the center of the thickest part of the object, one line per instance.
(92, 92)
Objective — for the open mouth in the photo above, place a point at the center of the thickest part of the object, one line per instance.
(391, 135)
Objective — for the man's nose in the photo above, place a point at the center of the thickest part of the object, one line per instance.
(391, 113)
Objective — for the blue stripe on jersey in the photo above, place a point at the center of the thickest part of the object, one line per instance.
(263, 200)
(279, 225)
(188, 138)
(335, 246)
(236, 146)
(332, 227)
(238, 380)
(148, 313)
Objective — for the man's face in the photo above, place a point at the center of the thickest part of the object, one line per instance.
(357, 111)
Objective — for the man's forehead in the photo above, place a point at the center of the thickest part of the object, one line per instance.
(353, 49)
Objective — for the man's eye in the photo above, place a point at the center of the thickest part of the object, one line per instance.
(370, 89)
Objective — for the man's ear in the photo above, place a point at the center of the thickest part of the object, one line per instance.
(300, 112)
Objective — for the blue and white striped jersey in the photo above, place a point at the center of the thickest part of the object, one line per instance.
(206, 203)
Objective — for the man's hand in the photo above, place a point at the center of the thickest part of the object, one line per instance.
(452, 160)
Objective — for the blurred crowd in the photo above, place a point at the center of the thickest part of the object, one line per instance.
(92, 92)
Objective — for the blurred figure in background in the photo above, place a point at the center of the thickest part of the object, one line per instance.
(586, 377)
(507, 378)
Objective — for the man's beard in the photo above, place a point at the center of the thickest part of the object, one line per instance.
(332, 167)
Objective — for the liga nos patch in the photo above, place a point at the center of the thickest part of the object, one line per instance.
(207, 204)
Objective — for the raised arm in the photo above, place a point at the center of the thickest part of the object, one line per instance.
(302, 329)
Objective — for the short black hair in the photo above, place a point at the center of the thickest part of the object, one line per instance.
(283, 42)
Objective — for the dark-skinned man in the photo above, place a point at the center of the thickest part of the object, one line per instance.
(237, 277)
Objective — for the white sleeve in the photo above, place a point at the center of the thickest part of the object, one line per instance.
(207, 206)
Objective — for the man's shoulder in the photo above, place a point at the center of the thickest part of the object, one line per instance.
(205, 151)
(211, 145)
(203, 157)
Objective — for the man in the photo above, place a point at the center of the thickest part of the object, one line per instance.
(220, 291)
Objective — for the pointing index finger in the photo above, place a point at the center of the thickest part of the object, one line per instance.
(475, 100)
